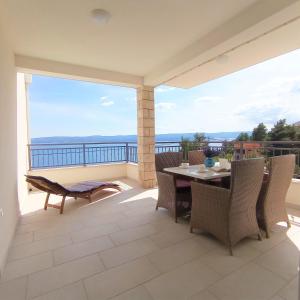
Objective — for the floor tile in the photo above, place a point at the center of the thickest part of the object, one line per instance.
(268, 244)
(171, 257)
(25, 228)
(276, 297)
(13, 289)
(171, 235)
(127, 252)
(85, 248)
(223, 263)
(283, 259)
(248, 283)
(28, 265)
(45, 281)
(120, 279)
(57, 229)
(138, 293)
(183, 282)
(119, 247)
(203, 295)
(38, 247)
(106, 219)
(153, 217)
(92, 232)
(73, 291)
(291, 291)
(125, 236)
(137, 211)
(22, 238)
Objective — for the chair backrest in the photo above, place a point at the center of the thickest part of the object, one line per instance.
(46, 185)
(196, 157)
(167, 160)
(281, 173)
(246, 182)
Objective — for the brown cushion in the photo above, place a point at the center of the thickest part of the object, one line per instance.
(87, 186)
(183, 183)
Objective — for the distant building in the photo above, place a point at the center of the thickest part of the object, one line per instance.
(297, 124)
(249, 150)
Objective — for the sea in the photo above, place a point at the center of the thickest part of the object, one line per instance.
(63, 151)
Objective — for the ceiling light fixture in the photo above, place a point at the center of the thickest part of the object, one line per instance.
(100, 16)
(222, 59)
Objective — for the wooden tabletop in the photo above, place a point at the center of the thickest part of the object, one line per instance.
(193, 171)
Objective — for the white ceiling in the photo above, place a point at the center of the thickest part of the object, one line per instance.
(140, 38)
(140, 35)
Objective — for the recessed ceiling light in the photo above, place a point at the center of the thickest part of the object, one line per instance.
(100, 16)
(222, 59)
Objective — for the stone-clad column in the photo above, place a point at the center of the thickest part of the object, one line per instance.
(146, 136)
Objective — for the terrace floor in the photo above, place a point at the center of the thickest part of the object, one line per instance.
(121, 248)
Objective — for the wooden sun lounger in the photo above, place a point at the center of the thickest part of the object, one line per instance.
(85, 189)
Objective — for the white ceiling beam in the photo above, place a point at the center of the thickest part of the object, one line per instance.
(46, 67)
(247, 25)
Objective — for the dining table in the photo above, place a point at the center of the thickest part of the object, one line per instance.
(198, 174)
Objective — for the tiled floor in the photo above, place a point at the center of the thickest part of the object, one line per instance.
(120, 248)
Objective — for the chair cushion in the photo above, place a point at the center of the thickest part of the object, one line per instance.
(183, 183)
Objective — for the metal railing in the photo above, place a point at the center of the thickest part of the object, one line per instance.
(74, 154)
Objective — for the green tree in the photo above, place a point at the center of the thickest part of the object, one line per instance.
(260, 132)
(282, 132)
(243, 136)
(186, 146)
(199, 137)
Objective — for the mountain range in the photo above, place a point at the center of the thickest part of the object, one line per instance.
(170, 137)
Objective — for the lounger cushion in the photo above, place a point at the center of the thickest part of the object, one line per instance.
(88, 186)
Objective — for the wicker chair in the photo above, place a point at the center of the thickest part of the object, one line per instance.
(271, 202)
(229, 214)
(196, 157)
(174, 193)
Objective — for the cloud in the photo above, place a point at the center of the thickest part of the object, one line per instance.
(267, 113)
(270, 112)
(207, 99)
(165, 106)
(104, 101)
(131, 99)
(107, 103)
(164, 89)
(278, 99)
(280, 86)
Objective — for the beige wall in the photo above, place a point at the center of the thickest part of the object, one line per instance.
(96, 172)
(132, 171)
(293, 195)
(8, 148)
(22, 139)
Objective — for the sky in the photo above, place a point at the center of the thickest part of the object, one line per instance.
(265, 93)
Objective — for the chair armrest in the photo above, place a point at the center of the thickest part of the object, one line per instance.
(166, 184)
(208, 198)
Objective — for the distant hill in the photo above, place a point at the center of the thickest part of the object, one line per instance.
(170, 137)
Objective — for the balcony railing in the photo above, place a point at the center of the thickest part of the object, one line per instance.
(75, 154)
(62, 155)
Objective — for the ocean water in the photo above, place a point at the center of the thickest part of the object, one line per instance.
(61, 155)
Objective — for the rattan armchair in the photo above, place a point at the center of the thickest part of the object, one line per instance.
(271, 202)
(229, 214)
(196, 157)
(174, 193)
